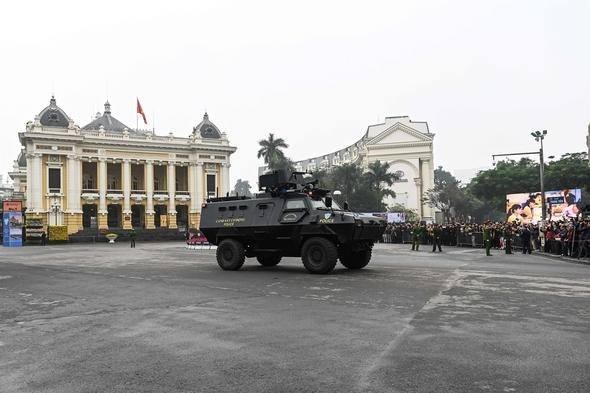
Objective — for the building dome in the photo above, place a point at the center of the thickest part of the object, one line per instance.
(207, 129)
(53, 115)
(108, 122)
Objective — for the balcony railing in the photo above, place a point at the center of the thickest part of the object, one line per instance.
(114, 191)
(182, 193)
(55, 190)
(90, 191)
(138, 191)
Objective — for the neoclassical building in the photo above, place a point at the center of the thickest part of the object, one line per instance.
(406, 145)
(108, 175)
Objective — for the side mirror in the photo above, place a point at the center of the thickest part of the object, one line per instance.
(328, 201)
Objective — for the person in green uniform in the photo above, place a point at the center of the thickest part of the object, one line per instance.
(132, 237)
(416, 232)
(487, 237)
(436, 238)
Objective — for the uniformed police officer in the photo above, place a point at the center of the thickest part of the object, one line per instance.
(416, 232)
(508, 238)
(487, 237)
(436, 238)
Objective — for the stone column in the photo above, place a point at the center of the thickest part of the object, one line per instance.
(200, 185)
(171, 196)
(102, 194)
(126, 183)
(30, 182)
(225, 178)
(73, 212)
(418, 182)
(34, 189)
(36, 183)
(193, 186)
(149, 190)
(196, 215)
(427, 183)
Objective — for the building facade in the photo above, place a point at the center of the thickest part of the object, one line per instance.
(107, 175)
(406, 145)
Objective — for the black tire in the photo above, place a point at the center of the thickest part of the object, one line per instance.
(356, 260)
(230, 254)
(268, 260)
(319, 255)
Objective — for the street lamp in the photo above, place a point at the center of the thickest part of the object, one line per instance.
(539, 136)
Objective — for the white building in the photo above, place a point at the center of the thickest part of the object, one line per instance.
(406, 145)
(115, 176)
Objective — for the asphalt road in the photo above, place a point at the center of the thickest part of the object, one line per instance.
(162, 318)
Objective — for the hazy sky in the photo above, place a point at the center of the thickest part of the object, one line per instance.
(483, 74)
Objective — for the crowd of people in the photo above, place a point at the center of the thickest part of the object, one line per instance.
(567, 238)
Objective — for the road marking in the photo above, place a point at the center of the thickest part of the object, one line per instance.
(380, 362)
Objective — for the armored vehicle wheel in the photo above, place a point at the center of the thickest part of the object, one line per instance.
(319, 255)
(356, 260)
(230, 254)
(268, 260)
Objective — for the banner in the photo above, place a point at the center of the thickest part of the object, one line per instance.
(396, 217)
(525, 208)
(391, 217)
(12, 220)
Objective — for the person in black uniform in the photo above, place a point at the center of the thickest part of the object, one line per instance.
(525, 237)
(508, 238)
(436, 238)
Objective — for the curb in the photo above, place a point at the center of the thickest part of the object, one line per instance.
(562, 258)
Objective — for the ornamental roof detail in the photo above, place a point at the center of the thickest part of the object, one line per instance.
(207, 129)
(106, 121)
(53, 115)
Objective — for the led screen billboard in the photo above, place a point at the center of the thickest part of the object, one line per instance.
(525, 208)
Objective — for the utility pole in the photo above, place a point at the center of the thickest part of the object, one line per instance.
(539, 136)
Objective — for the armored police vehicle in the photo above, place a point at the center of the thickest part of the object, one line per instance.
(292, 217)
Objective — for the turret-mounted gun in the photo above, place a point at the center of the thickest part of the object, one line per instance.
(280, 182)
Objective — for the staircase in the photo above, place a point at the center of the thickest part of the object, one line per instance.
(91, 235)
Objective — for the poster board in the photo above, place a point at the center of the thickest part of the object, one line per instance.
(12, 220)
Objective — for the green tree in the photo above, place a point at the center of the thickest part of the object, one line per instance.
(363, 191)
(346, 179)
(449, 196)
(491, 186)
(242, 188)
(270, 151)
(379, 177)
(570, 171)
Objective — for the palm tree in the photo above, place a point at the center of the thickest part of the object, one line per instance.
(271, 151)
(379, 176)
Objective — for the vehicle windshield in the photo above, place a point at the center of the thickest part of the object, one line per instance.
(319, 204)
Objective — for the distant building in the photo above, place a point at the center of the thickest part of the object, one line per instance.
(406, 145)
(112, 176)
(5, 189)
